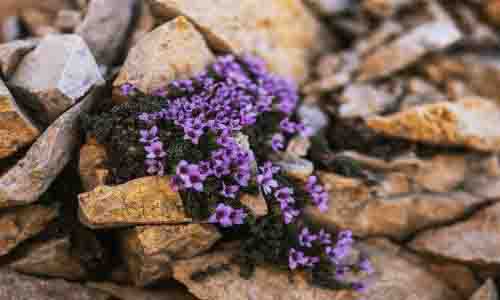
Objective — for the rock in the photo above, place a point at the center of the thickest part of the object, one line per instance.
(401, 276)
(225, 282)
(470, 122)
(132, 293)
(492, 11)
(12, 53)
(385, 8)
(17, 130)
(52, 258)
(409, 48)
(285, 34)
(91, 165)
(143, 25)
(150, 250)
(473, 242)
(394, 207)
(23, 223)
(313, 117)
(106, 26)
(421, 92)
(298, 146)
(14, 286)
(328, 7)
(386, 31)
(172, 51)
(38, 22)
(255, 203)
(487, 292)
(397, 278)
(31, 176)
(10, 29)
(58, 73)
(296, 167)
(68, 19)
(146, 201)
(364, 100)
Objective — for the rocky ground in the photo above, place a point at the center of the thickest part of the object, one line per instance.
(403, 97)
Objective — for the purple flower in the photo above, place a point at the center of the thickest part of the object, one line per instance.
(155, 167)
(312, 261)
(284, 197)
(127, 89)
(177, 183)
(194, 179)
(160, 92)
(288, 126)
(182, 169)
(149, 136)
(277, 142)
(289, 214)
(222, 215)
(265, 177)
(311, 182)
(366, 266)
(296, 259)
(238, 216)
(359, 287)
(229, 191)
(145, 117)
(306, 238)
(155, 150)
(324, 237)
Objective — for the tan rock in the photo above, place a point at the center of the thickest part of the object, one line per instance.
(23, 223)
(409, 48)
(106, 26)
(487, 292)
(91, 165)
(17, 130)
(473, 241)
(10, 29)
(52, 258)
(11, 54)
(132, 293)
(31, 176)
(327, 7)
(15, 286)
(255, 203)
(385, 8)
(364, 100)
(492, 10)
(145, 23)
(391, 208)
(284, 34)
(38, 22)
(146, 201)
(56, 75)
(296, 167)
(470, 122)
(150, 250)
(172, 51)
(68, 19)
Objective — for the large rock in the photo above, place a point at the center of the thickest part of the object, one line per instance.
(52, 258)
(56, 75)
(31, 176)
(474, 241)
(106, 26)
(12, 53)
(147, 201)
(408, 195)
(23, 223)
(471, 123)
(284, 33)
(364, 100)
(172, 51)
(409, 48)
(91, 165)
(123, 292)
(15, 286)
(487, 292)
(17, 130)
(150, 250)
(215, 277)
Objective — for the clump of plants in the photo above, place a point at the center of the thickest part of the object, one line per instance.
(214, 135)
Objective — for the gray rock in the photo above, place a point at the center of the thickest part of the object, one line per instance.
(56, 75)
(105, 27)
(31, 176)
(12, 53)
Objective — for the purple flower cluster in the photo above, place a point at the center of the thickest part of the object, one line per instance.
(154, 151)
(227, 216)
(318, 193)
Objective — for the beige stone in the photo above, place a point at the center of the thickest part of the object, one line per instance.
(123, 292)
(26, 181)
(487, 292)
(150, 250)
(17, 130)
(492, 10)
(91, 165)
(23, 223)
(56, 75)
(52, 258)
(471, 122)
(473, 242)
(255, 203)
(12, 53)
(146, 201)
(364, 100)
(67, 20)
(284, 33)
(172, 51)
